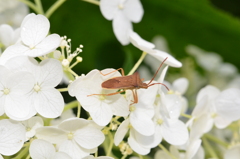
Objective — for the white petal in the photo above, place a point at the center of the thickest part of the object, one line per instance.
(89, 137)
(71, 148)
(51, 134)
(47, 45)
(137, 147)
(120, 105)
(34, 30)
(201, 107)
(101, 113)
(12, 51)
(6, 34)
(61, 155)
(201, 125)
(221, 122)
(121, 28)
(148, 141)
(109, 8)
(173, 104)
(31, 125)
(23, 63)
(121, 132)
(160, 55)
(175, 132)
(162, 76)
(228, 104)
(73, 124)
(140, 43)
(133, 10)
(193, 148)
(12, 137)
(49, 103)
(142, 122)
(180, 85)
(41, 149)
(51, 73)
(232, 153)
(211, 91)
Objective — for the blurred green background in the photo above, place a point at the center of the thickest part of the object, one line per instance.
(211, 25)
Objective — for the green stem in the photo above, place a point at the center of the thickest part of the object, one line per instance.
(216, 140)
(72, 72)
(71, 105)
(39, 6)
(79, 110)
(138, 63)
(23, 152)
(209, 148)
(54, 7)
(124, 156)
(62, 89)
(93, 2)
(30, 4)
(186, 115)
(165, 150)
(110, 144)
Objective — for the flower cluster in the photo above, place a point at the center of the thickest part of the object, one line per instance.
(126, 111)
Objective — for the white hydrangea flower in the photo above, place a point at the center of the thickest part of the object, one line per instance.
(46, 100)
(12, 137)
(31, 125)
(14, 88)
(77, 137)
(12, 12)
(148, 47)
(138, 142)
(178, 155)
(8, 35)
(178, 87)
(167, 111)
(220, 108)
(100, 107)
(35, 42)
(41, 149)
(122, 13)
(100, 157)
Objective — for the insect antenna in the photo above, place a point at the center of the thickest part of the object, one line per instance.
(157, 72)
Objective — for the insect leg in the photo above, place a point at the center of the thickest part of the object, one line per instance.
(159, 83)
(135, 96)
(110, 94)
(122, 72)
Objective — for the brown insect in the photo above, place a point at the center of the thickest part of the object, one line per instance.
(131, 82)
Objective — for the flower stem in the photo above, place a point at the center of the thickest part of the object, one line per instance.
(186, 115)
(165, 150)
(92, 1)
(209, 148)
(39, 6)
(30, 4)
(79, 110)
(62, 89)
(109, 151)
(23, 152)
(138, 63)
(216, 140)
(72, 72)
(54, 7)
(71, 105)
